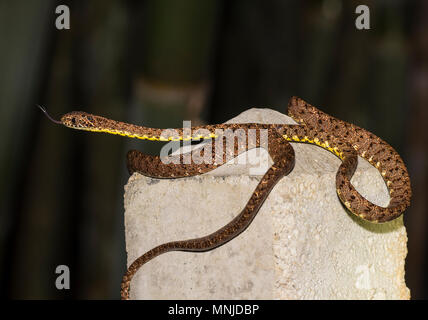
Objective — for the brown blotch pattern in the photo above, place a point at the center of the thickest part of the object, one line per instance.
(314, 126)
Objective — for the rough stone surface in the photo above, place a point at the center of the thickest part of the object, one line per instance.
(302, 244)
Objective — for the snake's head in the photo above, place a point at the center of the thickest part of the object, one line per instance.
(78, 120)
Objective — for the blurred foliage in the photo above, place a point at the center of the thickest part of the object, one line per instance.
(159, 62)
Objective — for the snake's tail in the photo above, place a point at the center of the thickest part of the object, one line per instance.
(282, 154)
(138, 263)
(220, 237)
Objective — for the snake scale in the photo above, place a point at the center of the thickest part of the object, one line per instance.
(345, 140)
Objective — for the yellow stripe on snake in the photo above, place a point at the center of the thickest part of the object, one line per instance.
(343, 139)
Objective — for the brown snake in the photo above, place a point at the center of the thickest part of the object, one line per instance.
(343, 139)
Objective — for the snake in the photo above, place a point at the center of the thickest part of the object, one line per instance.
(345, 140)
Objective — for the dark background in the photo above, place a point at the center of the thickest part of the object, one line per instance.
(158, 62)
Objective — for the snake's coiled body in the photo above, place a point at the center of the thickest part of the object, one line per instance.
(343, 139)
